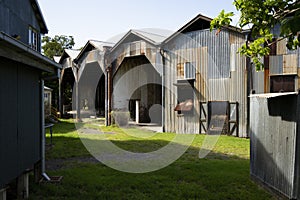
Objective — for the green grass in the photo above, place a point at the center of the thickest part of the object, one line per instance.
(223, 174)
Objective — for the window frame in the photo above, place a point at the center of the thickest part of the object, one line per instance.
(186, 73)
(33, 38)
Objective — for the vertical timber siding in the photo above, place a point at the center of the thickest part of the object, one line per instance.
(19, 119)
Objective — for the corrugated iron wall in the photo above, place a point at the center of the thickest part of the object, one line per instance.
(220, 75)
(274, 152)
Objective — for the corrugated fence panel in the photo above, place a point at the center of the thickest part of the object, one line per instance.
(273, 142)
(276, 65)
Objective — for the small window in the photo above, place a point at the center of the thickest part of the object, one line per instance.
(282, 83)
(185, 96)
(185, 71)
(33, 39)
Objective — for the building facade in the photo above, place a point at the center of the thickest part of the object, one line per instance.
(22, 99)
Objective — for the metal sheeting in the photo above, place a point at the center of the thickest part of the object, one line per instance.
(276, 65)
(274, 153)
(290, 64)
(215, 81)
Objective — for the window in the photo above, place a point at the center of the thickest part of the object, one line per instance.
(282, 83)
(33, 39)
(185, 96)
(186, 71)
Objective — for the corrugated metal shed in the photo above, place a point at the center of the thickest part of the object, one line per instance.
(274, 134)
(221, 75)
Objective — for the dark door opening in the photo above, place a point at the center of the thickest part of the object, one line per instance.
(218, 115)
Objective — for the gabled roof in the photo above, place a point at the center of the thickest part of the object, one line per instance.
(198, 23)
(93, 44)
(39, 16)
(69, 53)
(148, 35)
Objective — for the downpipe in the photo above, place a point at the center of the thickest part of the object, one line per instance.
(43, 137)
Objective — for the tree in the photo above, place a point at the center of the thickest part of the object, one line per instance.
(260, 17)
(55, 46)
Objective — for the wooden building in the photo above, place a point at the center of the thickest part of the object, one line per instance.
(22, 99)
(206, 80)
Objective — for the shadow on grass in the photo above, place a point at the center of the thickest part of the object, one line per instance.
(218, 176)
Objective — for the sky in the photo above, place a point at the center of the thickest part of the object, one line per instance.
(102, 20)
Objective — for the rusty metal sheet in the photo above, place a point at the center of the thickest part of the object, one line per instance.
(281, 47)
(290, 64)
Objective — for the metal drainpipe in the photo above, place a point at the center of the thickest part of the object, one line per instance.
(109, 89)
(43, 137)
(161, 51)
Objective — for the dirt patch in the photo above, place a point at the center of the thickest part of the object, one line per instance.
(57, 164)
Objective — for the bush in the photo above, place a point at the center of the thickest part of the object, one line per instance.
(120, 118)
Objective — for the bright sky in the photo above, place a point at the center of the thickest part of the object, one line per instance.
(102, 20)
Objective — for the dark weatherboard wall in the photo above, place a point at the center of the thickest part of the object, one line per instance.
(19, 119)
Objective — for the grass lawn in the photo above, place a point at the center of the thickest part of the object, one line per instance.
(223, 174)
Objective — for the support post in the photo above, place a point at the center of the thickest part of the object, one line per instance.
(3, 194)
(137, 111)
(109, 91)
(23, 186)
(37, 171)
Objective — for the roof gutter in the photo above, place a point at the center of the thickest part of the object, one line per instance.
(20, 48)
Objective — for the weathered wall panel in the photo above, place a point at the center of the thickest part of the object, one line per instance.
(273, 134)
(290, 64)
(276, 65)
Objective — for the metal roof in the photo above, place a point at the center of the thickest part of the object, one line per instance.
(56, 58)
(19, 52)
(100, 44)
(72, 53)
(193, 23)
(152, 36)
(47, 88)
(155, 36)
(93, 44)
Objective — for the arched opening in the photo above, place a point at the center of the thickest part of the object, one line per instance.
(138, 90)
(67, 84)
(92, 91)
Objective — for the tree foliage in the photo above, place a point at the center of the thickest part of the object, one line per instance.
(56, 45)
(261, 16)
